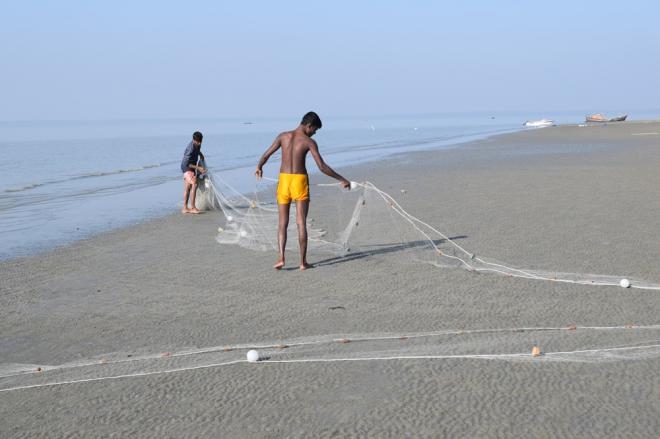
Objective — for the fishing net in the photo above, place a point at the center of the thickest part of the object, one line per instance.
(582, 344)
(365, 222)
(205, 197)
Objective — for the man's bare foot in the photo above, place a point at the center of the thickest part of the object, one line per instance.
(305, 266)
(185, 210)
(194, 210)
(279, 265)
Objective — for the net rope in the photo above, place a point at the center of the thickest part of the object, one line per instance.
(564, 344)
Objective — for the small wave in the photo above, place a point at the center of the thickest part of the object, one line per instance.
(30, 186)
(114, 172)
(24, 188)
(56, 199)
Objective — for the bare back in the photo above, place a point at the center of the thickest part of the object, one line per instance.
(295, 147)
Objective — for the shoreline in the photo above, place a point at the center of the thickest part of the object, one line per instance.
(566, 198)
(97, 230)
(438, 145)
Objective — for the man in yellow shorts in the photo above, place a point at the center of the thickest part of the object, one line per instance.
(293, 182)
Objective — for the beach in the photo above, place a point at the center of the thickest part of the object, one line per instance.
(578, 199)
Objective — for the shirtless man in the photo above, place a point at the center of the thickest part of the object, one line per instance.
(293, 182)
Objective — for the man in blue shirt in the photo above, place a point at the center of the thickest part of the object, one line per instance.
(189, 167)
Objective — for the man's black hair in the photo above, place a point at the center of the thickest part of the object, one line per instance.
(197, 136)
(312, 119)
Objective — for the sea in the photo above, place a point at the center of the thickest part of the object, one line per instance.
(62, 181)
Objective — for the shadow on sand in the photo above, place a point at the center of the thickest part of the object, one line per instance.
(379, 249)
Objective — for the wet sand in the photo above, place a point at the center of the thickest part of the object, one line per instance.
(575, 199)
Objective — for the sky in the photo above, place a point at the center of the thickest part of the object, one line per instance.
(79, 60)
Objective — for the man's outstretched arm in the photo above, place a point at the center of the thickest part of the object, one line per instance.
(323, 167)
(264, 158)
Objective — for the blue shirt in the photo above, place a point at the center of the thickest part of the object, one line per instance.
(190, 157)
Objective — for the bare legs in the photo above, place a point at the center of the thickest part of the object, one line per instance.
(302, 207)
(189, 191)
(283, 224)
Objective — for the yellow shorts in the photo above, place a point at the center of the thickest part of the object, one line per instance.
(292, 187)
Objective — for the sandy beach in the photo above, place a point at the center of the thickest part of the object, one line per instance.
(570, 198)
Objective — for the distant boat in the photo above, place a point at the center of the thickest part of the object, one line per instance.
(539, 123)
(247, 123)
(600, 118)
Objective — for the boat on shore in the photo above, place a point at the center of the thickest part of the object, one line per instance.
(539, 123)
(600, 118)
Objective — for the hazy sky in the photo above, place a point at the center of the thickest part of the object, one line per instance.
(161, 59)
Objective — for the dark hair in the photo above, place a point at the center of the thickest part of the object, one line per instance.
(197, 136)
(312, 119)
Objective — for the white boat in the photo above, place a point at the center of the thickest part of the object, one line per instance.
(539, 123)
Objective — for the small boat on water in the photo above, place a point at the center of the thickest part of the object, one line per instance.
(539, 123)
(600, 118)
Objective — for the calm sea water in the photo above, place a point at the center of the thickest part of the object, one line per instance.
(67, 180)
